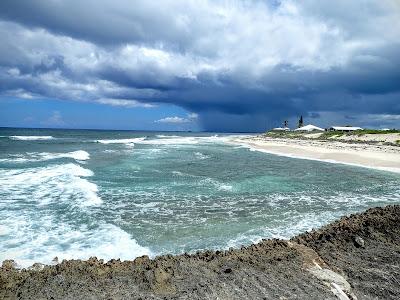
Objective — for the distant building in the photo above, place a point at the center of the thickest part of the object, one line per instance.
(344, 128)
(309, 128)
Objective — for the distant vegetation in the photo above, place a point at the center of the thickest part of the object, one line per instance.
(328, 134)
(375, 131)
(286, 134)
(333, 135)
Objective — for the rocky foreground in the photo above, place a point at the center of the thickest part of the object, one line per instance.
(357, 257)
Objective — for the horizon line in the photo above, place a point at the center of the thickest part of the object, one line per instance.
(138, 130)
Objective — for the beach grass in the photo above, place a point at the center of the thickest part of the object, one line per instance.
(376, 131)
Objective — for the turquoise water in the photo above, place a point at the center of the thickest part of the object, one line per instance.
(121, 194)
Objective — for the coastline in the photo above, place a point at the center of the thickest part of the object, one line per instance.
(355, 257)
(381, 157)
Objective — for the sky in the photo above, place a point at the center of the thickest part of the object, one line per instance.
(239, 66)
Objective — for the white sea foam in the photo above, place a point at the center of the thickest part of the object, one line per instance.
(17, 158)
(171, 141)
(4, 230)
(216, 184)
(40, 240)
(78, 155)
(161, 136)
(178, 173)
(285, 227)
(31, 138)
(201, 156)
(291, 222)
(184, 140)
(122, 141)
(225, 187)
(110, 151)
(50, 184)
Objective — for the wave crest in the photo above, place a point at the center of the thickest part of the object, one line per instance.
(31, 137)
(79, 155)
(52, 184)
(121, 141)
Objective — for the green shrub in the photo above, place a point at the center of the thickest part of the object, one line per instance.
(375, 131)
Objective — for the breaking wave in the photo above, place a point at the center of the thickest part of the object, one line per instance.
(31, 137)
(41, 240)
(121, 141)
(52, 184)
(78, 155)
(167, 140)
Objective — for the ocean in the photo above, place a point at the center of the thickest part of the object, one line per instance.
(121, 194)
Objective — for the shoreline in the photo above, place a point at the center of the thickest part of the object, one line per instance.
(355, 257)
(380, 157)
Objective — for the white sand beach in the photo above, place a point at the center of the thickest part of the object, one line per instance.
(383, 157)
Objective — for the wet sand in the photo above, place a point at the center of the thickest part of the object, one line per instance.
(357, 257)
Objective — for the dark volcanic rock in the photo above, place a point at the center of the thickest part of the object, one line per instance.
(359, 242)
(366, 248)
(363, 248)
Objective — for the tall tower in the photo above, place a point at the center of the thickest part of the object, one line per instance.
(301, 121)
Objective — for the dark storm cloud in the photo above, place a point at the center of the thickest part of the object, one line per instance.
(113, 22)
(241, 65)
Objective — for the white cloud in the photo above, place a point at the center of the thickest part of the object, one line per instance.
(29, 119)
(55, 119)
(385, 117)
(13, 72)
(172, 120)
(124, 103)
(192, 117)
(20, 93)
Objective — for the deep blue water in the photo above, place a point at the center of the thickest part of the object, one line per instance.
(121, 194)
